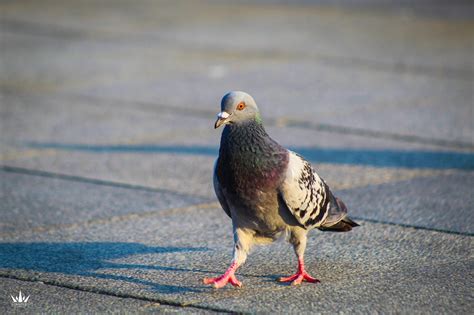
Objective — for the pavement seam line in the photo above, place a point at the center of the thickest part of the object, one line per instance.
(115, 294)
(409, 226)
(94, 181)
(210, 205)
(155, 212)
(281, 122)
(117, 218)
(290, 123)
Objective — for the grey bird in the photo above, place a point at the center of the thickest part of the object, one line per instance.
(267, 190)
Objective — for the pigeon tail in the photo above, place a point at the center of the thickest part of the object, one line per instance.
(337, 219)
(345, 225)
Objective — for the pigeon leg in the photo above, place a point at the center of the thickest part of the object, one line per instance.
(298, 239)
(241, 248)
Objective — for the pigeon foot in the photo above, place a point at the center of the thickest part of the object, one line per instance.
(221, 281)
(227, 277)
(299, 277)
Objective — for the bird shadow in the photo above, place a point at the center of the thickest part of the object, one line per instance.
(87, 259)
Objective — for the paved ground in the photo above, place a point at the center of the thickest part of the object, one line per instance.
(107, 148)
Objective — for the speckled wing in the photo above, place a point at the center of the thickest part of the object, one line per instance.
(306, 194)
(218, 191)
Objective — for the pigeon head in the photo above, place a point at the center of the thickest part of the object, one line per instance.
(237, 107)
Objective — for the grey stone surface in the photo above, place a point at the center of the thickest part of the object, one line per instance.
(50, 299)
(190, 173)
(439, 202)
(397, 72)
(29, 119)
(107, 142)
(376, 267)
(359, 32)
(33, 201)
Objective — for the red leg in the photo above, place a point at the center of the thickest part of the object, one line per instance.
(300, 276)
(227, 277)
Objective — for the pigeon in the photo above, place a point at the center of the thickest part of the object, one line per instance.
(267, 190)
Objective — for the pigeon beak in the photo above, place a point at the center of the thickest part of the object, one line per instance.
(221, 119)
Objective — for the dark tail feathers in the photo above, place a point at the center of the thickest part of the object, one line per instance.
(337, 220)
(346, 224)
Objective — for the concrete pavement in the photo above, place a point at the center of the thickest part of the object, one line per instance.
(107, 147)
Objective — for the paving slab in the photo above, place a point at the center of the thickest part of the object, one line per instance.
(32, 201)
(93, 121)
(375, 101)
(144, 147)
(49, 299)
(359, 32)
(376, 267)
(29, 119)
(188, 168)
(424, 198)
(353, 69)
(438, 202)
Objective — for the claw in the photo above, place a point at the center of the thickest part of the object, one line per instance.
(236, 283)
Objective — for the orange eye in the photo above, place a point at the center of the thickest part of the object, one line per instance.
(241, 106)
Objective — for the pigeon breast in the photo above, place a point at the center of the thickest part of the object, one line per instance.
(250, 162)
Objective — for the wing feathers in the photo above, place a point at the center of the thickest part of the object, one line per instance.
(304, 192)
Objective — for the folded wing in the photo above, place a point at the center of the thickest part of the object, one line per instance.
(304, 192)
